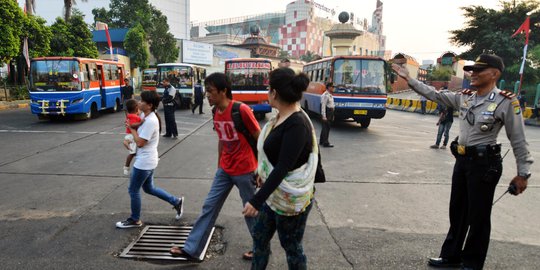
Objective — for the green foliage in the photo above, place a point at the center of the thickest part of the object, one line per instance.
(441, 73)
(128, 14)
(39, 36)
(72, 38)
(11, 26)
(310, 56)
(490, 31)
(162, 43)
(135, 44)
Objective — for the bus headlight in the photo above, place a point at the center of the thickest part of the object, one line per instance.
(77, 101)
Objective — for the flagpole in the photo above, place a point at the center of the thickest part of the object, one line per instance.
(525, 27)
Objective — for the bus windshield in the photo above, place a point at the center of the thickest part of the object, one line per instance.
(149, 75)
(248, 75)
(359, 76)
(54, 75)
(179, 76)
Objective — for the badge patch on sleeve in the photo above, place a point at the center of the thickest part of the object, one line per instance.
(517, 110)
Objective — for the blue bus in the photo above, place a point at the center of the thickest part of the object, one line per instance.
(62, 86)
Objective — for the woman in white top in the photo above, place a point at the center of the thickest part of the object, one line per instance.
(147, 139)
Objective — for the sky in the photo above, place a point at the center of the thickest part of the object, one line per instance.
(419, 28)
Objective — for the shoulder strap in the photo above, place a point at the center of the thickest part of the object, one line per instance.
(467, 92)
(507, 94)
(236, 116)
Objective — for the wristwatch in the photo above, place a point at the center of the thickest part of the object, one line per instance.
(526, 175)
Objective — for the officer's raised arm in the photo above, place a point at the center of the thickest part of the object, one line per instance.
(446, 98)
(515, 130)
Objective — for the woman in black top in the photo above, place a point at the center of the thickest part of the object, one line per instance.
(287, 147)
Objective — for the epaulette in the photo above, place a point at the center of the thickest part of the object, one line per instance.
(507, 94)
(467, 92)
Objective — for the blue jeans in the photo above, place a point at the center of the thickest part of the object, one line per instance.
(145, 179)
(444, 127)
(221, 187)
(290, 231)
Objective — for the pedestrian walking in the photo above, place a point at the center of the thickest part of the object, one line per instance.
(288, 160)
(423, 103)
(327, 113)
(199, 98)
(478, 165)
(126, 92)
(134, 121)
(446, 118)
(236, 164)
(146, 160)
(168, 109)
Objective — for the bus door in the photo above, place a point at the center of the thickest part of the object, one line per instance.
(121, 75)
(101, 86)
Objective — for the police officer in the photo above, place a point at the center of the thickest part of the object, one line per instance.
(327, 113)
(168, 109)
(478, 164)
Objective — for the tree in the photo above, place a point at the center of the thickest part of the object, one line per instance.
(489, 31)
(39, 36)
(441, 73)
(128, 14)
(309, 56)
(11, 27)
(72, 38)
(162, 43)
(68, 7)
(135, 44)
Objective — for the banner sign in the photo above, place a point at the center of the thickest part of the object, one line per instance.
(241, 65)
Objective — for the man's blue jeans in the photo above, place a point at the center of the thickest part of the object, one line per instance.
(145, 179)
(221, 187)
(444, 128)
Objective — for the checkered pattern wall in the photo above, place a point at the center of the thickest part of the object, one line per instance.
(299, 37)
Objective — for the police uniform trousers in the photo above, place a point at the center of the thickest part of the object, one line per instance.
(170, 121)
(474, 180)
(325, 131)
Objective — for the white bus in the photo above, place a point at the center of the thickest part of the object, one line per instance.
(183, 77)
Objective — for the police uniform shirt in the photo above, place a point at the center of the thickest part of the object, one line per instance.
(327, 101)
(482, 117)
(171, 91)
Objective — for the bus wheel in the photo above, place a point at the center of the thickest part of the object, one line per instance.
(260, 116)
(365, 122)
(92, 113)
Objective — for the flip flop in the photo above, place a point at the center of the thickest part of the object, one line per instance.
(248, 256)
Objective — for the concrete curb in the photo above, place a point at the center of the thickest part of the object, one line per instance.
(413, 105)
(11, 105)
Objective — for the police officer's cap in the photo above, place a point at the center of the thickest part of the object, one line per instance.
(486, 61)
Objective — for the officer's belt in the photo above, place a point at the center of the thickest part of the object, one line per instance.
(475, 151)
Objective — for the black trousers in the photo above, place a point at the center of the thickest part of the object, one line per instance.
(473, 187)
(170, 121)
(325, 131)
(197, 104)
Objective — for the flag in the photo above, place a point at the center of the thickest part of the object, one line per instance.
(525, 27)
(104, 26)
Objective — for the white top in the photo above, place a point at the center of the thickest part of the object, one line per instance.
(171, 90)
(327, 101)
(147, 156)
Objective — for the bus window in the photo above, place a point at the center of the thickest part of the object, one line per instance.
(92, 72)
(107, 72)
(54, 75)
(114, 72)
(84, 72)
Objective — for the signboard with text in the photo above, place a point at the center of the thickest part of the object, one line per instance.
(197, 53)
(243, 65)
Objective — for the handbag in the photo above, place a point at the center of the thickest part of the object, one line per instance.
(319, 174)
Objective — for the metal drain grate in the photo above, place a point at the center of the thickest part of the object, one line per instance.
(156, 241)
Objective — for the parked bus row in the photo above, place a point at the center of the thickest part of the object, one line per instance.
(71, 85)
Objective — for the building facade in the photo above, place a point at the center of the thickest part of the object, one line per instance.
(178, 16)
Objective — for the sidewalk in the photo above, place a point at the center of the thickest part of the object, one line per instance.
(17, 104)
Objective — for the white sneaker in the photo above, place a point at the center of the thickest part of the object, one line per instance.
(126, 171)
